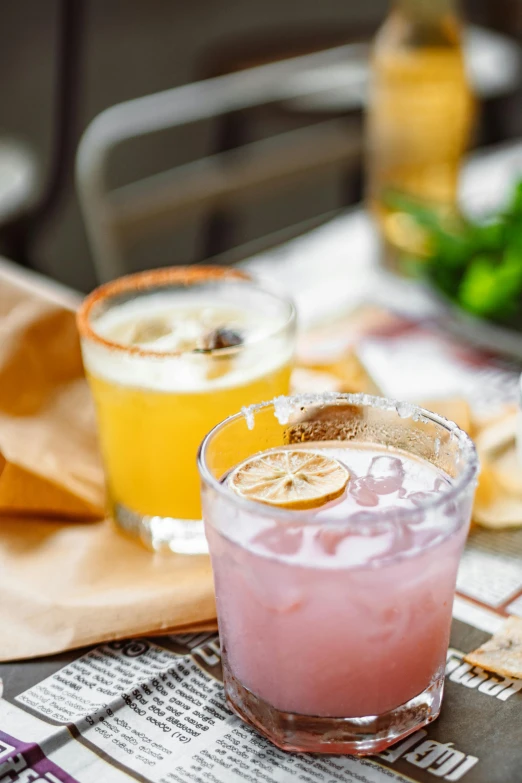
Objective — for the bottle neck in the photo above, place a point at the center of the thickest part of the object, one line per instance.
(426, 9)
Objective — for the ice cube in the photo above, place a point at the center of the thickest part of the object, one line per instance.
(355, 549)
(329, 538)
(385, 475)
(441, 485)
(362, 493)
(419, 498)
(280, 540)
(383, 466)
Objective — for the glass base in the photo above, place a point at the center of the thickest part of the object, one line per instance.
(355, 736)
(163, 534)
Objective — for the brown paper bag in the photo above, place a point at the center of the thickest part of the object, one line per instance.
(49, 460)
(64, 586)
(67, 585)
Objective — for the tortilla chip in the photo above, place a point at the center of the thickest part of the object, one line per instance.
(452, 408)
(487, 489)
(353, 375)
(495, 506)
(502, 654)
(504, 512)
(495, 438)
(483, 421)
(349, 371)
(507, 471)
(498, 502)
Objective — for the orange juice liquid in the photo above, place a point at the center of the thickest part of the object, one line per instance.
(154, 406)
(150, 439)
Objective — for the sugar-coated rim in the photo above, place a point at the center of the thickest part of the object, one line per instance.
(158, 278)
(469, 474)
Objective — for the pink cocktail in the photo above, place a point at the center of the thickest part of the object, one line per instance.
(335, 621)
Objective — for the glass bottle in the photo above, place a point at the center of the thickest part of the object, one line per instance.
(420, 118)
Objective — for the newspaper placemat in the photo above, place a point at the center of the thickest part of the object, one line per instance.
(154, 711)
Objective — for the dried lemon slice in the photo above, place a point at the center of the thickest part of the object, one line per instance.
(290, 479)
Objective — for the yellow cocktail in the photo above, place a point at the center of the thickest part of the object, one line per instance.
(168, 355)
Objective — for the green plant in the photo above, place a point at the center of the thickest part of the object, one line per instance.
(478, 265)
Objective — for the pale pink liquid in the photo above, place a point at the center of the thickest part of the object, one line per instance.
(337, 620)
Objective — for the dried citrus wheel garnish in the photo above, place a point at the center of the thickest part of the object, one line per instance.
(290, 479)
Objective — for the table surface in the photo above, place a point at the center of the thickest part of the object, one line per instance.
(348, 274)
(335, 267)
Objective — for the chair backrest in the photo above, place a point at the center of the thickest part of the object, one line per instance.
(113, 217)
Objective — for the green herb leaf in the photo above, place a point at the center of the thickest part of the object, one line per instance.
(476, 264)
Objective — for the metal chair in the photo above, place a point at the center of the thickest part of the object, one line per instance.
(115, 217)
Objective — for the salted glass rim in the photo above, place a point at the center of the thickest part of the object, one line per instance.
(188, 276)
(403, 411)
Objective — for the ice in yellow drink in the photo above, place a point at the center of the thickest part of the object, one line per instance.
(166, 362)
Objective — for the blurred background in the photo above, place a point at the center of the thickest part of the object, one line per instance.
(66, 61)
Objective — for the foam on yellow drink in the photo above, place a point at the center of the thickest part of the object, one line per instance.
(186, 358)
